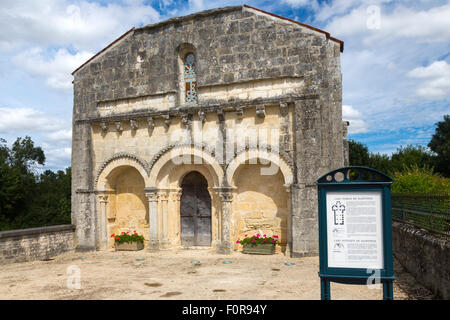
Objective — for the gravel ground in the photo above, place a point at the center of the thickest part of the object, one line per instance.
(173, 275)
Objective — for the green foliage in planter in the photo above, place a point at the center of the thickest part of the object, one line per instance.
(258, 239)
(127, 237)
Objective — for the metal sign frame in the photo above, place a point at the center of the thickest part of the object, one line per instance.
(355, 179)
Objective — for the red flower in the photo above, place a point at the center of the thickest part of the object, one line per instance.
(112, 235)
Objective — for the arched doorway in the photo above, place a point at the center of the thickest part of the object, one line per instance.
(195, 211)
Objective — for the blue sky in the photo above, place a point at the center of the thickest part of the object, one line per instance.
(396, 62)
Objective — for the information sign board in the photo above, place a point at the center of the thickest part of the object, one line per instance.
(355, 228)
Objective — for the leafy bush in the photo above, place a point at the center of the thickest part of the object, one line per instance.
(420, 181)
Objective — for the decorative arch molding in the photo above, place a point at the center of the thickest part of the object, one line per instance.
(121, 159)
(266, 152)
(201, 151)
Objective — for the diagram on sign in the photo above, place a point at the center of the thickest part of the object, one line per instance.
(338, 210)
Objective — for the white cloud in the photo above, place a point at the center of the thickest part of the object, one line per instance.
(63, 135)
(56, 69)
(297, 3)
(436, 80)
(196, 5)
(357, 124)
(426, 25)
(25, 119)
(52, 134)
(84, 25)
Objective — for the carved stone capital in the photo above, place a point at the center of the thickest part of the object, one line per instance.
(175, 195)
(103, 198)
(226, 196)
(163, 195)
(152, 196)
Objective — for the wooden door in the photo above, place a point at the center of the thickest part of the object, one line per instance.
(195, 211)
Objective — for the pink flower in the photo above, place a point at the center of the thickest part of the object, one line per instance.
(253, 240)
(258, 235)
(237, 241)
(264, 236)
(276, 237)
(265, 240)
(272, 241)
(245, 235)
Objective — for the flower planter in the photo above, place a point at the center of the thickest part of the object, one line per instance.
(266, 248)
(129, 246)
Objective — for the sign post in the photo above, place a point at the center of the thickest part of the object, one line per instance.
(355, 229)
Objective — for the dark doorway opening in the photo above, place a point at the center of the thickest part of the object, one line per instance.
(195, 211)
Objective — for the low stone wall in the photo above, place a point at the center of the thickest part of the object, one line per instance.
(35, 243)
(425, 256)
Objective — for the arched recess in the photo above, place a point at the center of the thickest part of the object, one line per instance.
(262, 201)
(121, 202)
(115, 161)
(252, 156)
(188, 156)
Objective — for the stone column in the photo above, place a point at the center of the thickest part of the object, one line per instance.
(152, 196)
(226, 197)
(103, 236)
(289, 220)
(175, 197)
(163, 197)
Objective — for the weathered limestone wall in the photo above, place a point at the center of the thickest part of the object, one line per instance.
(260, 205)
(425, 256)
(35, 243)
(129, 206)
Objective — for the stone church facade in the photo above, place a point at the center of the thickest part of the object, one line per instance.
(199, 130)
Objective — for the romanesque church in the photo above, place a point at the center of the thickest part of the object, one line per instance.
(199, 130)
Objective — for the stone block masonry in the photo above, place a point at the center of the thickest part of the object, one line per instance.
(425, 256)
(35, 243)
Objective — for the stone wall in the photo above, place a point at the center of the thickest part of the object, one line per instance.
(425, 256)
(35, 243)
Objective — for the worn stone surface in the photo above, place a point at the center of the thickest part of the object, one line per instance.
(35, 243)
(423, 255)
(253, 71)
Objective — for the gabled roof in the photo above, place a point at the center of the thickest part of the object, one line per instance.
(206, 13)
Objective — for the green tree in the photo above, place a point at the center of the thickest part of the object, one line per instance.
(411, 156)
(26, 198)
(440, 144)
(358, 153)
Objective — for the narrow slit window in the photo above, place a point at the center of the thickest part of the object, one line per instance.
(190, 78)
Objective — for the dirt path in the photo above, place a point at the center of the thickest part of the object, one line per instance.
(173, 275)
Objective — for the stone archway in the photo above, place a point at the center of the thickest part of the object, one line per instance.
(164, 192)
(121, 202)
(261, 180)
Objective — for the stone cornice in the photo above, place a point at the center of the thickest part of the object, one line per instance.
(210, 106)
